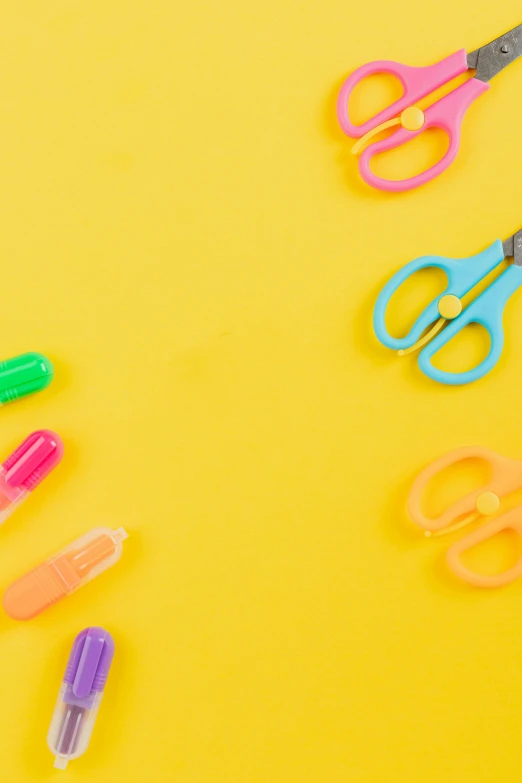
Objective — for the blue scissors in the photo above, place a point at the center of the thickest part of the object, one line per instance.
(445, 316)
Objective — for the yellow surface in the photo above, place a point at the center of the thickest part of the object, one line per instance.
(184, 234)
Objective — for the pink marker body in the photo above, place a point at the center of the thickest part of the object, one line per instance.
(26, 468)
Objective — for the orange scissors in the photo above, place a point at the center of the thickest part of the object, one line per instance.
(505, 477)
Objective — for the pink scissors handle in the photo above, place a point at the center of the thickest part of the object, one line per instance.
(447, 114)
(417, 84)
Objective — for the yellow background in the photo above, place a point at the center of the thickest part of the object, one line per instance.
(184, 233)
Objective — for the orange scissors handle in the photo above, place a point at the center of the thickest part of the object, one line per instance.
(505, 477)
(510, 521)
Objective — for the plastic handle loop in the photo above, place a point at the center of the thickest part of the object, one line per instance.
(487, 311)
(462, 273)
(505, 477)
(417, 83)
(446, 114)
(510, 521)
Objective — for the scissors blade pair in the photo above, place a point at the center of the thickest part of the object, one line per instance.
(497, 55)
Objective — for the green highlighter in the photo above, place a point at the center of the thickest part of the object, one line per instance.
(23, 375)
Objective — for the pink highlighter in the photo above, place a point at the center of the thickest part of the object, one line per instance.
(26, 468)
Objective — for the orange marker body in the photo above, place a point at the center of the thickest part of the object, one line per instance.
(62, 574)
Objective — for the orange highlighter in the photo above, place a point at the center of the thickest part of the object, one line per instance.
(63, 573)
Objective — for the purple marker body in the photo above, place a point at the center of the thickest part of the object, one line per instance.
(80, 695)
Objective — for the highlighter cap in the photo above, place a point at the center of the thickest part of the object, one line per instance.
(23, 375)
(33, 460)
(89, 662)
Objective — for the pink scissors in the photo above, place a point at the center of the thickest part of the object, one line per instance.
(447, 113)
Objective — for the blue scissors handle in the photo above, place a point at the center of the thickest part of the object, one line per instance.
(487, 310)
(462, 273)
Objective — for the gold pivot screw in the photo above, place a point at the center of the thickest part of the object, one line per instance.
(450, 306)
(412, 118)
(488, 503)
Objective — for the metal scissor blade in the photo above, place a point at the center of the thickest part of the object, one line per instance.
(513, 248)
(493, 58)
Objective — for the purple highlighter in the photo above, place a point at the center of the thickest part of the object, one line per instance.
(80, 695)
